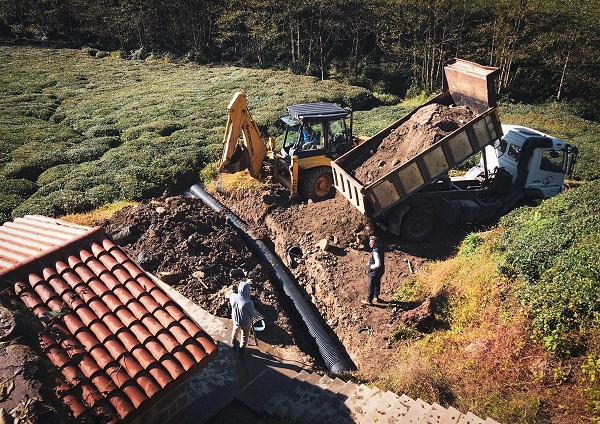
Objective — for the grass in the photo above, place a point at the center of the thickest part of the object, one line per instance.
(92, 131)
(485, 360)
(98, 216)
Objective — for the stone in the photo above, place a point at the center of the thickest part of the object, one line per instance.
(324, 244)
(169, 277)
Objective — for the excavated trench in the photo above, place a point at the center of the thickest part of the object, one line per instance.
(331, 271)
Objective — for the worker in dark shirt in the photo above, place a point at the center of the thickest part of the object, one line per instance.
(375, 271)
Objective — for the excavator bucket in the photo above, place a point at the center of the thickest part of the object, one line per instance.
(243, 146)
(470, 84)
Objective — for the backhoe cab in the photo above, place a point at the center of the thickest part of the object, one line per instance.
(315, 134)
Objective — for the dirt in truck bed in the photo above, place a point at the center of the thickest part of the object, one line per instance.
(427, 126)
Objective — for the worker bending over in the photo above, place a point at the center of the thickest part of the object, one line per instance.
(242, 312)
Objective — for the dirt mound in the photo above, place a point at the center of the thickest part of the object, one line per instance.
(188, 245)
(428, 125)
(334, 278)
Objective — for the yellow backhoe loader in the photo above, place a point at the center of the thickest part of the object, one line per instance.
(315, 134)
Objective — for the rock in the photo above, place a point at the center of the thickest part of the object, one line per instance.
(396, 162)
(324, 244)
(198, 274)
(169, 277)
(421, 318)
(125, 235)
(7, 323)
(381, 163)
(477, 346)
(161, 210)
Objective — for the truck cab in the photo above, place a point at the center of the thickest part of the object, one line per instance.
(537, 162)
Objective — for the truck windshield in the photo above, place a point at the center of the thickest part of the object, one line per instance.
(551, 161)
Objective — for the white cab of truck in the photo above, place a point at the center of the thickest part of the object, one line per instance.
(550, 159)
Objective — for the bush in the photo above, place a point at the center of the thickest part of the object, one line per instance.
(103, 131)
(554, 249)
(54, 173)
(91, 149)
(55, 204)
(20, 187)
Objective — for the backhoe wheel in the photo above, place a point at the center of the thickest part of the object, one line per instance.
(317, 183)
(417, 225)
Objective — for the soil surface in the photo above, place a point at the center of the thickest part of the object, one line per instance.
(329, 255)
(427, 126)
(189, 246)
(186, 244)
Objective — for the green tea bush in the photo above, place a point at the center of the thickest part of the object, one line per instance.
(103, 131)
(20, 187)
(35, 157)
(554, 249)
(54, 173)
(55, 204)
(102, 194)
(91, 149)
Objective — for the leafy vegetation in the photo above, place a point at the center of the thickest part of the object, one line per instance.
(79, 132)
(554, 249)
(544, 48)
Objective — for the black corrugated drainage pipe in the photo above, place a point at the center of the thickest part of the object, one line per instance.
(331, 355)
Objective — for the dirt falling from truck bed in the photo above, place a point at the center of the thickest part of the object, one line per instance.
(427, 126)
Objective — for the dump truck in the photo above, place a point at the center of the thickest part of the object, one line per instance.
(315, 134)
(518, 165)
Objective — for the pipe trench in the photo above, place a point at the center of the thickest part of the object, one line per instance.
(329, 352)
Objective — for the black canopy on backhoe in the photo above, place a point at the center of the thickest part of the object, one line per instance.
(316, 111)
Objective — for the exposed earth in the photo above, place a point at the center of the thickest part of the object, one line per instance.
(189, 246)
(325, 244)
(186, 244)
(426, 126)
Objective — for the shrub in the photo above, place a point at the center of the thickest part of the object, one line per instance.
(554, 249)
(20, 187)
(91, 149)
(471, 243)
(55, 204)
(54, 173)
(103, 131)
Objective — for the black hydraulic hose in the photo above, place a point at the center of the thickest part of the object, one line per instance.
(331, 355)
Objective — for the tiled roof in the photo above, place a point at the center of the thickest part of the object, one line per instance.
(118, 340)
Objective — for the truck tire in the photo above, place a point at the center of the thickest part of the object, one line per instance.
(317, 183)
(417, 225)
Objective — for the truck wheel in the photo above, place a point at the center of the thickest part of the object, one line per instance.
(317, 183)
(417, 225)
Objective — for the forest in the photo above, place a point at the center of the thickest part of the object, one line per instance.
(546, 49)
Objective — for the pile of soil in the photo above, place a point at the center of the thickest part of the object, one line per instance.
(330, 263)
(427, 126)
(188, 245)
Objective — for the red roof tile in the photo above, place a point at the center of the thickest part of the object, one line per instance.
(109, 329)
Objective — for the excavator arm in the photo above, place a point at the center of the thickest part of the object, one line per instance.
(247, 152)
